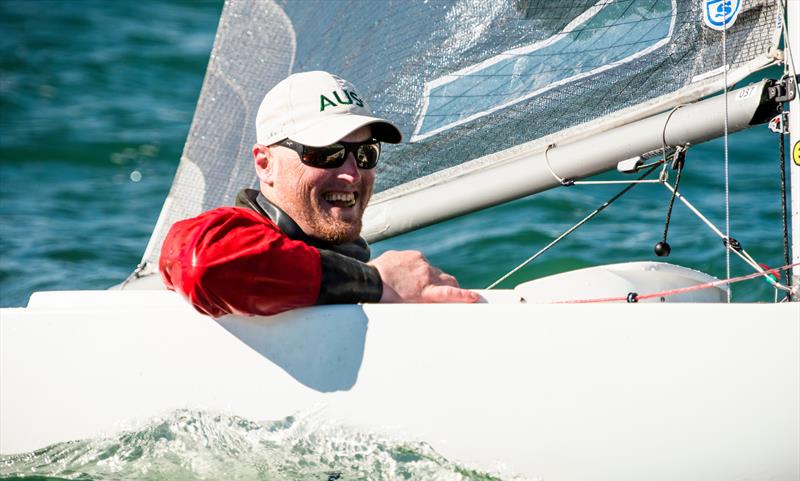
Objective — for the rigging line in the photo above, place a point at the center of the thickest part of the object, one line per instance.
(136, 274)
(560, 180)
(727, 190)
(604, 182)
(787, 66)
(664, 174)
(677, 162)
(786, 46)
(784, 214)
(741, 252)
(695, 211)
(671, 292)
(567, 182)
(702, 218)
(571, 229)
(762, 268)
(750, 258)
(664, 130)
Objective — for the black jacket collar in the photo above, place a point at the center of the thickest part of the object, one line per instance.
(255, 200)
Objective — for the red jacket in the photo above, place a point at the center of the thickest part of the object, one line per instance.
(234, 260)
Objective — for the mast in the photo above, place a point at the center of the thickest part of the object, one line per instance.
(793, 51)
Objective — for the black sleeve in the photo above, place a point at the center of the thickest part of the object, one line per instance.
(347, 281)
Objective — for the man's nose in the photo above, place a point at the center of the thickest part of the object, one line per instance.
(349, 171)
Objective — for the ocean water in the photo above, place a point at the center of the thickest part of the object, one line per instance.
(96, 99)
(95, 103)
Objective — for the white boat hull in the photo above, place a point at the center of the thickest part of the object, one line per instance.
(561, 392)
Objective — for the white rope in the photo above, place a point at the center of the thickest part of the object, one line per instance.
(565, 182)
(560, 179)
(742, 253)
(727, 189)
(664, 130)
(573, 228)
(611, 182)
(789, 61)
(664, 176)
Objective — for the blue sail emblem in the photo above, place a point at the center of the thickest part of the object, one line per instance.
(720, 14)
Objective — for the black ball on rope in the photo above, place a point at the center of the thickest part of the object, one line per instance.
(662, 249)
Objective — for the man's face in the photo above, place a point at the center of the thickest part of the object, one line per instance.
(326, 203)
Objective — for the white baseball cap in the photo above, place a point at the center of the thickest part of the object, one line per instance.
(317, 109)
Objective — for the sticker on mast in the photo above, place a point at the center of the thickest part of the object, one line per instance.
(796, 153)
(597, 40)
(720, 14)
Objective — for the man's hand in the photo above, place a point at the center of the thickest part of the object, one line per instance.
(408, 277)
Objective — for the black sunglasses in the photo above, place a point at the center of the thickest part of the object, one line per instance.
(333, 156)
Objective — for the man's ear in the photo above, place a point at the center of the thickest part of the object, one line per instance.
(264, 162)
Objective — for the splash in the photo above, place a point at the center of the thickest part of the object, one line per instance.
(195, 445)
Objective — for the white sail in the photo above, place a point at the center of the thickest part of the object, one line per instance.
(471, 84)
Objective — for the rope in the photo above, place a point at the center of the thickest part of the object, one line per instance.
(731, 245)
(561, 180)
(664, 175)
(727, 187)
(789, 68)
(634, 297)
(674, 192)
(664, 131)
(136, 274)
(784, 215)
(786, 45)
(572, 229)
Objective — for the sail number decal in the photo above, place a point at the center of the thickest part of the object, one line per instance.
(605, 36)
(746, 92)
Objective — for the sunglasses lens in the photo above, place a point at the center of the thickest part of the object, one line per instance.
(328, 157)
(367, 155)
(333, 156)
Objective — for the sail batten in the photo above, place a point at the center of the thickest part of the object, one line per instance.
(471, 84)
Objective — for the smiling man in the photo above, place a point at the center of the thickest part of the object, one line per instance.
(295, 241)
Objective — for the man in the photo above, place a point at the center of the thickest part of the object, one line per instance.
(295, 242)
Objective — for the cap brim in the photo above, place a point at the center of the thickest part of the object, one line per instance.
(335, 127)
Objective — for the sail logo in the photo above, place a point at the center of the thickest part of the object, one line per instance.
(720, 14)
(605, 36)
(350, 97)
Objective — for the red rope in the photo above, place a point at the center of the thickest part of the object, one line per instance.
(682, 289)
